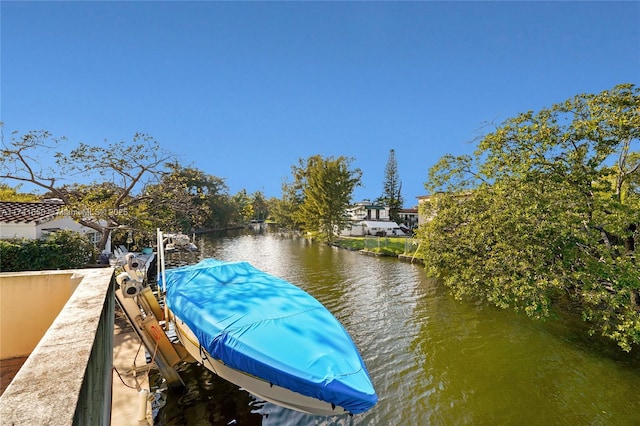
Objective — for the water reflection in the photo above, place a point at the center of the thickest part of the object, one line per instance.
(207, 400)
(432, 360)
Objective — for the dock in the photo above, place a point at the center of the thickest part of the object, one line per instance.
(130, 373)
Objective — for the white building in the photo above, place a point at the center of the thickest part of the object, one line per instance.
(370, 219)
(365, 210)
(34, 220)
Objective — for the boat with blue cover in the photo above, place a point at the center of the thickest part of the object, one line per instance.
(267, 336)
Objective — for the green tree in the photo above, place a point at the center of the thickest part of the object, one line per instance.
(8, 193)
(326, 187)
(392, 188)
(547, 205)
(124, 169)
(185, 199)
(260, 206)
(243, 206)
(223, 212)
(283, 210)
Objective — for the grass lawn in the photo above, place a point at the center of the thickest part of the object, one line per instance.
(388, 246)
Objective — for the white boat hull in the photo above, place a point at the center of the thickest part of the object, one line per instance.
(254, 385)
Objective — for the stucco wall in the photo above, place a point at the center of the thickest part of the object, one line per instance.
(62, 222)
(29, 302)
(67, 378)
(17, 230)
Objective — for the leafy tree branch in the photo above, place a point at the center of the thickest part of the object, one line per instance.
(548, 205)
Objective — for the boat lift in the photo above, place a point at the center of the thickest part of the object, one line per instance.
(149, 320)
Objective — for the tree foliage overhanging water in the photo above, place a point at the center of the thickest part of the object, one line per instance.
(549, 204)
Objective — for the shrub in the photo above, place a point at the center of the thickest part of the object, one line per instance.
(59, 250)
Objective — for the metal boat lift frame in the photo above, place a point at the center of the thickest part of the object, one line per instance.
(150, 322)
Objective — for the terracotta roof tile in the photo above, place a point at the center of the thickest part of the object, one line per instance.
(23, 212)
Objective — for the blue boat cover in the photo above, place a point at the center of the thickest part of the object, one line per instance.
(265, 326)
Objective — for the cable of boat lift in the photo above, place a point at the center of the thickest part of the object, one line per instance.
(161, 273)
(134, 370)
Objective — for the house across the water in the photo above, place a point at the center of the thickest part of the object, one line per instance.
(34, 220)
(367, 218)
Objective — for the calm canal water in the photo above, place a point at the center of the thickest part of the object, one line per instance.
(433, 360)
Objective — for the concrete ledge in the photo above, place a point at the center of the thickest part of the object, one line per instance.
(67, 378)
(410, 259)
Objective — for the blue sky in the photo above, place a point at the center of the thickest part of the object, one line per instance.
(242, 90)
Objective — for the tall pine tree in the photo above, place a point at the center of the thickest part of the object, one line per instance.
(392, 188)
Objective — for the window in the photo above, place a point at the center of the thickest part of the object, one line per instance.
(94, 237)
